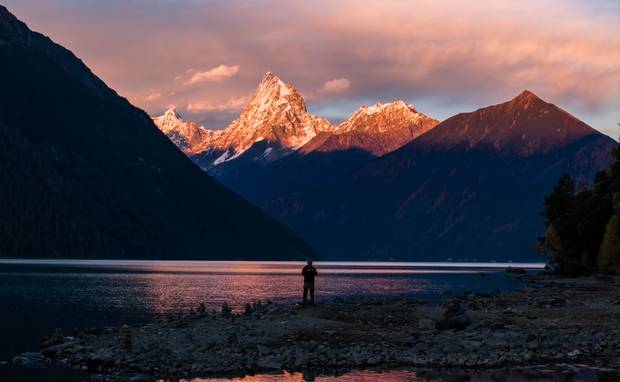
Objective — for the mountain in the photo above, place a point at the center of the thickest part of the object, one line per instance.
(471, 188)
(524, 126)
(276, 146)
(186, 135)
(86, 174)
(276, 115)
(276, 123)
(377, 129)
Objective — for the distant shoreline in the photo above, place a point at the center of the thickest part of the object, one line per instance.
(438, 264)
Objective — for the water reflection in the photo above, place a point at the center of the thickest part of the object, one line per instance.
(360, 376)
(579, 374)
(172, 286)
(169, 286)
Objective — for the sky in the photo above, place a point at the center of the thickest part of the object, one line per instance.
(206, 57)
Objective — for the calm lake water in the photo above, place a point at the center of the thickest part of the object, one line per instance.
(38, 296)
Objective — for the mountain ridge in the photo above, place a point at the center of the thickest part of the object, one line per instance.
(277, 113)
(472, 188)
(377, 129)
(532, 135)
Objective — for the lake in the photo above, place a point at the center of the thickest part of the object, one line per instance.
(37, 296)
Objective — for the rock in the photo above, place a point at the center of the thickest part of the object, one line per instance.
(124, 337)
(454, 317)
(453, 308)
(141, 378)
(31, 359)
(99, 360)
(557, 302)
(459, 322)
(452, 347)
(57, 350)
(425, 324)
(605, 279)
(54, 339)
(270, 363)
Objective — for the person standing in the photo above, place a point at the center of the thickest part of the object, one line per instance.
(309, 273)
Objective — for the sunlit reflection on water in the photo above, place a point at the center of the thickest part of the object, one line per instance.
(167, 286)
(577, 374)
(361, 376)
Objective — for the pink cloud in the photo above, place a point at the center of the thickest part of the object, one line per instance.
(337, 85)
(217, 74)
(152, 97)
(233, 104)
(472, 52)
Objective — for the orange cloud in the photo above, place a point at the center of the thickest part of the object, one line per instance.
(233, 104)
(152, 97)
(338, 85)
(460, 52)
(218, 74)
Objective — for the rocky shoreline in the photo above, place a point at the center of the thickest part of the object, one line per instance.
(547, 322)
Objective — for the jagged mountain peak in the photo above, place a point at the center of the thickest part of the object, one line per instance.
(377, 129)
(169, 120)
(379, 107)
(187, 135)
(274, 95)
(276, 113)
(387, 117)
(173, 113)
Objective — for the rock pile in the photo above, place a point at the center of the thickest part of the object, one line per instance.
(455, 317)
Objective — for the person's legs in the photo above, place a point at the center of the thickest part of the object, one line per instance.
(311, 295)
(305, 294)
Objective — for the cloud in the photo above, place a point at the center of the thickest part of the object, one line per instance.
(233, 104)
(454, 56)
(338, 85)
(152, 97)
(218, 74)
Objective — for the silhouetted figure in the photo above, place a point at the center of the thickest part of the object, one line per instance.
(309, 273)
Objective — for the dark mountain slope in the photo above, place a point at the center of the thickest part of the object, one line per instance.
(471, 188)
(86, 174)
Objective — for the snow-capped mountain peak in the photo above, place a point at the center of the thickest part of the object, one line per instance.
(188, 136)
(377, 129)
(173, 113)
(169, 120)
(379, 107)
(277, 117)
(276, 113)
(384, 118)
